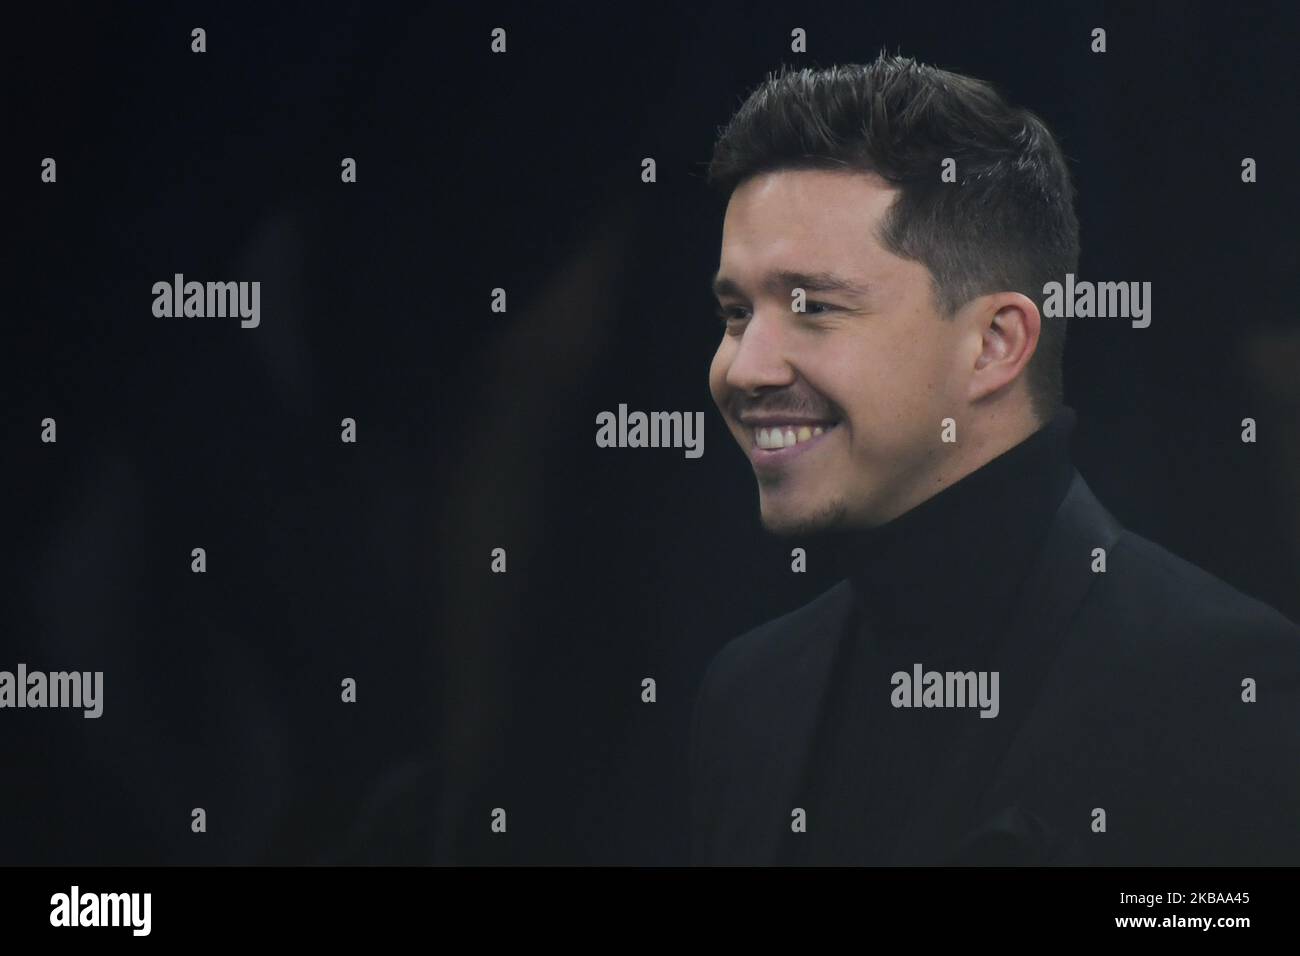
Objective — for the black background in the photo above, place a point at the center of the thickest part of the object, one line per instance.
(476, 430)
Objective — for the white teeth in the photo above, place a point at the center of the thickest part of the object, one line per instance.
(773, 439)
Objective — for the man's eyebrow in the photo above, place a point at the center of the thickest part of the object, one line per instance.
(783, 280)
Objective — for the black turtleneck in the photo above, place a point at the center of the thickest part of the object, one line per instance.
(935, 586)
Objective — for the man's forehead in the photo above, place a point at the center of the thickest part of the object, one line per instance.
(831, 180)
(810, 199)
(777, 227)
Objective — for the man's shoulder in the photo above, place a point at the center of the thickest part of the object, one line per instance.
(1179, 695)
(771, 647)
(1168, 647)
(1168, 595)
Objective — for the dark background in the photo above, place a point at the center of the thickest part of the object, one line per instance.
(476, 430)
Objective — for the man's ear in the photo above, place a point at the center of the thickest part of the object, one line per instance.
(1008, 325)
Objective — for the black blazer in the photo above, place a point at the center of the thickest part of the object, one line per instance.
(1120, 690)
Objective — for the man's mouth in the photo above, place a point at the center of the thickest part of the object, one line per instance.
(776, 437)
(773, 441)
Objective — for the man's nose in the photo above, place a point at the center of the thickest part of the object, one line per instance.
(761, 359)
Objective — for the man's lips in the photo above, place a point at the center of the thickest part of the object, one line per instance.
(777, 440)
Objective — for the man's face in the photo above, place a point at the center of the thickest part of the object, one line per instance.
(840, 407)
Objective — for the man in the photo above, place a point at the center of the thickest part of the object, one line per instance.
(1006, 675)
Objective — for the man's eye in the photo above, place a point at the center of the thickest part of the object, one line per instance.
(726, 314)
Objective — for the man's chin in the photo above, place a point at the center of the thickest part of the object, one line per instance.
(791, 523)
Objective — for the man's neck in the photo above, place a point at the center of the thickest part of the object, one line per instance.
(979, 440)
(964, 550)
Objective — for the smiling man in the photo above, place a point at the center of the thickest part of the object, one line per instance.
(886, 366)
(839, 405)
